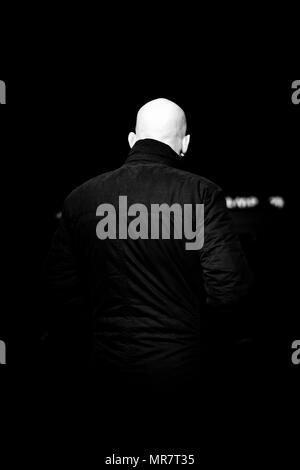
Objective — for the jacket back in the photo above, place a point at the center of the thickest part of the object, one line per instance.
(145, 292)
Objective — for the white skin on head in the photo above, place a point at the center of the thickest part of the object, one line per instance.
(164, 121)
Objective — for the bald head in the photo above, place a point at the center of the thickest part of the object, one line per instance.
(164, 121)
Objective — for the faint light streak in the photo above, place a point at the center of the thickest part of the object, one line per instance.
(241, 202)
(277, 201)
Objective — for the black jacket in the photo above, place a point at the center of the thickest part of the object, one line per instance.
(146, 298)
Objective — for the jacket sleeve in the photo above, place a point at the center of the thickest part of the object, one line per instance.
(61, 273)
(63, 290)
(227, 277)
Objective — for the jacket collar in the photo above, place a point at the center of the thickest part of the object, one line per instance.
(153, 151)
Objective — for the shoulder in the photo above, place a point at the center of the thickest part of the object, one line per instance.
(204, 185)
(77, 199)
(88, 186)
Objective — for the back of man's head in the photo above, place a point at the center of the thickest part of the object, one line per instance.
(162, 120)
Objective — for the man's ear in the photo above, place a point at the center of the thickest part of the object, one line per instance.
(131, 139)
(185, 143)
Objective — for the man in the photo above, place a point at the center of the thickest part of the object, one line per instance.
(147, 296)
